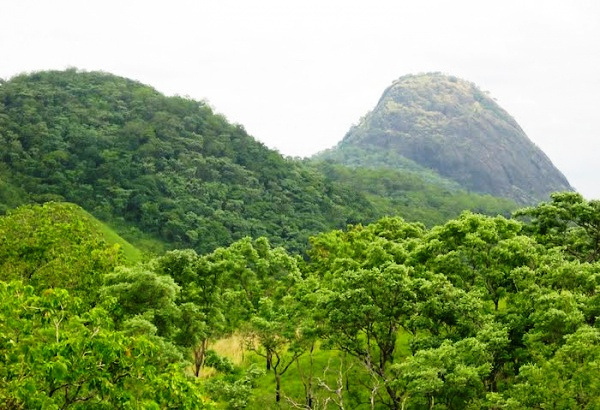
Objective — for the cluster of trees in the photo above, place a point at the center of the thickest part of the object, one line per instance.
(61, 342)
(417, 196)
(478, 312)
(168, 168)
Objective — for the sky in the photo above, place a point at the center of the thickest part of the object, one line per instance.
(298, 74)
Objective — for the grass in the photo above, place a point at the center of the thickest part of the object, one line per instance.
(131, 254)
(231, 347)
(330, 367)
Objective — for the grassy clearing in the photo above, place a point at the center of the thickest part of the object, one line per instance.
(231, 347)
(130, 252)
(329, 369)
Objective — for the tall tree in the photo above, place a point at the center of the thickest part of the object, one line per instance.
(200, 300)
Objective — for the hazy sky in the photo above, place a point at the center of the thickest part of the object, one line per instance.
(298, 74)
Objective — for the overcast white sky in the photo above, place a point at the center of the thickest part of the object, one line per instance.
(298, 74)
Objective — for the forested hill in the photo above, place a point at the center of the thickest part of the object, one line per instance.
(477, 312)
(433, 122)
(171, 168)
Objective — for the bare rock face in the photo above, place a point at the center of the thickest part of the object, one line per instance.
(450, 126)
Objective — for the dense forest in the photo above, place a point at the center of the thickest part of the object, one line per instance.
(155, 256)
(478, 312)
(167, 172)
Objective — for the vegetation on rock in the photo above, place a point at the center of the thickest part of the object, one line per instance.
(449, 126)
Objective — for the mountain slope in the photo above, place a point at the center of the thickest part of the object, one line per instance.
(417, 197)
(448, 125)
(165, 168)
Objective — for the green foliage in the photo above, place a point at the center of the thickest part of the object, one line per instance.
(567, 221)
(10, 195)
(236, 392)
(167, 172)
(55, 245)
(466, 315)
(200, 302)
(276, 334)
(480, 312)
(158, 167)
(446, 318)
(474, 251)
(413, 195)
(54, 354)
(143, 293)
(477, 312)
(567, 380)
(451, 375)
(130, 253)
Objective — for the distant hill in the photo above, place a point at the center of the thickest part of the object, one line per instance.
(447, 129)
(169, 172)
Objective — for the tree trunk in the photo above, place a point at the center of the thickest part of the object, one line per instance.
(347, 377)
(199, 356)
(269, 360)
(395, 399)
(308, 386)
(277, 387)
(309, 396)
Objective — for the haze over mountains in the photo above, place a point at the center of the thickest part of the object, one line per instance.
(448, 125)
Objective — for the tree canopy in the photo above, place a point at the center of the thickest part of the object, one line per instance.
(170, 169)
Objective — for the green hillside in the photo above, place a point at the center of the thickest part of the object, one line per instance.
(154, 165)
(417, 196)
(59, 245)
(167, 171)
(131, 254)
(479, 312)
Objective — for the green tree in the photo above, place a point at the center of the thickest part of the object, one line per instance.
(567, 380)
(276, 333)
(142, 294)
(364, 310)
(567, 221)
(200, 300)
(476, 251)
(55, 353)
(452, 374)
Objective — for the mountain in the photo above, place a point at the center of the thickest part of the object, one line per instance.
(448, 130)
(168, 172)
